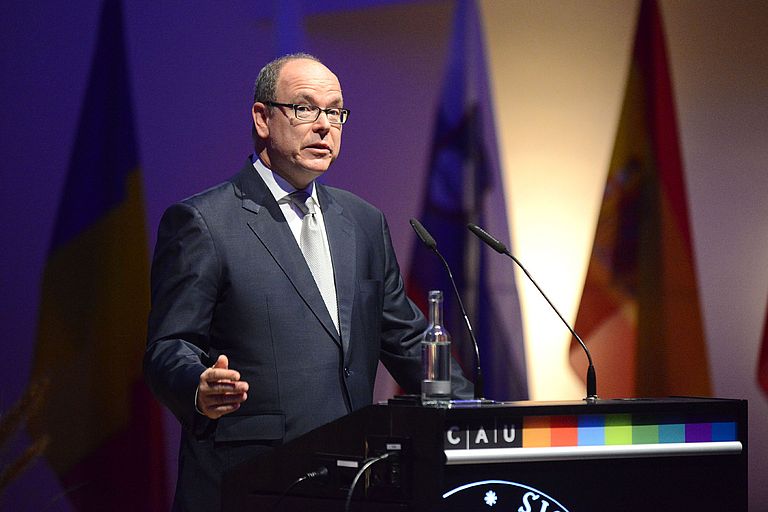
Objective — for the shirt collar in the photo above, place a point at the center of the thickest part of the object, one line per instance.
(277, 185)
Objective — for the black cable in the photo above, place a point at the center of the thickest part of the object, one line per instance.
(321, 472)
(366, 464)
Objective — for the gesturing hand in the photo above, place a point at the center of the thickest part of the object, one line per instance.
(220, 390)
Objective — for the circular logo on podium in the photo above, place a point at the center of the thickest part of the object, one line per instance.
(501, 495)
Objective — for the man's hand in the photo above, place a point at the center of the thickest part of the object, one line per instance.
(220, 390)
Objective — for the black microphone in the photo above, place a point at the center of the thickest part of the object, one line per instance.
(499, 247)
(427, 240)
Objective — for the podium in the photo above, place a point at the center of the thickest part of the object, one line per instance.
(629, 455)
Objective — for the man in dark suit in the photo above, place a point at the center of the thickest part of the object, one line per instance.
(270, 313)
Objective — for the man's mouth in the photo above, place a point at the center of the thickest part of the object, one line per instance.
(320, 147)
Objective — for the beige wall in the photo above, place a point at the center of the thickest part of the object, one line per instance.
(558, 70)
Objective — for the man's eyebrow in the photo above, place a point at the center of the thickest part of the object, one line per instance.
(303, 98)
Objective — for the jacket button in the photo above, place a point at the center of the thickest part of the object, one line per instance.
(347, 372)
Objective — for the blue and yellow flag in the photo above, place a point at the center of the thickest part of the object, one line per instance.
(640, 311)
(105, 429)
(464, 185)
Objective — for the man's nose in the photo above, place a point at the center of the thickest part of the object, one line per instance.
(322, 124)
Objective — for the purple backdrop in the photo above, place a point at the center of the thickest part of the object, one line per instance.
(192, 72)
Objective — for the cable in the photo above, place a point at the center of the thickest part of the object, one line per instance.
(366, 464)
(321, 472)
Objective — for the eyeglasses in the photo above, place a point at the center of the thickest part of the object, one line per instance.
(306, 112)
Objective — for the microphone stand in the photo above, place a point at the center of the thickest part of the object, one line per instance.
(431, 244)
(499, 247)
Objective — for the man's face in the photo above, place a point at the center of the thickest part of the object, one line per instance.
(297, 150)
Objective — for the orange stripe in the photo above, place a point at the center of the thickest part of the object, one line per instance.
(536, 432)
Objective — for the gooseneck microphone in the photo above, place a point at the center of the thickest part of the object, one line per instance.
(499, 247)
(427, 240)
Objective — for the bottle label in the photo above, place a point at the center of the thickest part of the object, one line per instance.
(436, 388)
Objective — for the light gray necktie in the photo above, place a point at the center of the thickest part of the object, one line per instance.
(312, 245)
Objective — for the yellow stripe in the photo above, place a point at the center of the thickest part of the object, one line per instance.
(92, 331)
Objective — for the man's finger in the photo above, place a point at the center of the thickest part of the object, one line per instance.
(221, 362)
(218, 412)
(215, 396)
(227, 399)
(223, 388)
(214, 374)
(218, 405)
(218, 387)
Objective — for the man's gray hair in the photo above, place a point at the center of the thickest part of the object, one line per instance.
(265, 88)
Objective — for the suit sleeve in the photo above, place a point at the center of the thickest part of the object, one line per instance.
(185, 281)
(402, 326)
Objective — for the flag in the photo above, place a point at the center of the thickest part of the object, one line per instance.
(640, 312)
(464, 185)
(762, 365)
(106, 441)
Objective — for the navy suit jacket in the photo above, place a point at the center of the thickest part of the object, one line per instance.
(229, 278)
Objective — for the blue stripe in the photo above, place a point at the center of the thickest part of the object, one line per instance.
(105, 151)
(724, 431)
(591, 430)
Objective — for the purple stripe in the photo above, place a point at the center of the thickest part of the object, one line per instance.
(698, 432)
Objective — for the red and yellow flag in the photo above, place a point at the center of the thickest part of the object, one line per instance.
(105, 428)
(762, 365)
(640, 311)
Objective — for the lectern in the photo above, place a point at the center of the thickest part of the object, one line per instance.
(631, 455)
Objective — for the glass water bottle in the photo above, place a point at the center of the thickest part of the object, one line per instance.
(436, 356)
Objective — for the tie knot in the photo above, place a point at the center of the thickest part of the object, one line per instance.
(301, 200)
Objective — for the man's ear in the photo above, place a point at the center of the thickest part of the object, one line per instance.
(259, 113)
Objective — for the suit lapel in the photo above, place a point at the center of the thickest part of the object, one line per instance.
(269, 225)
(342, 242)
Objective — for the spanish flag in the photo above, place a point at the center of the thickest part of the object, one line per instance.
(640, 311)
(105, 428)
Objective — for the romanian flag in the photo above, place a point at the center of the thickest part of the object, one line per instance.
(104, 426)
(464, 185)
(640, 311)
